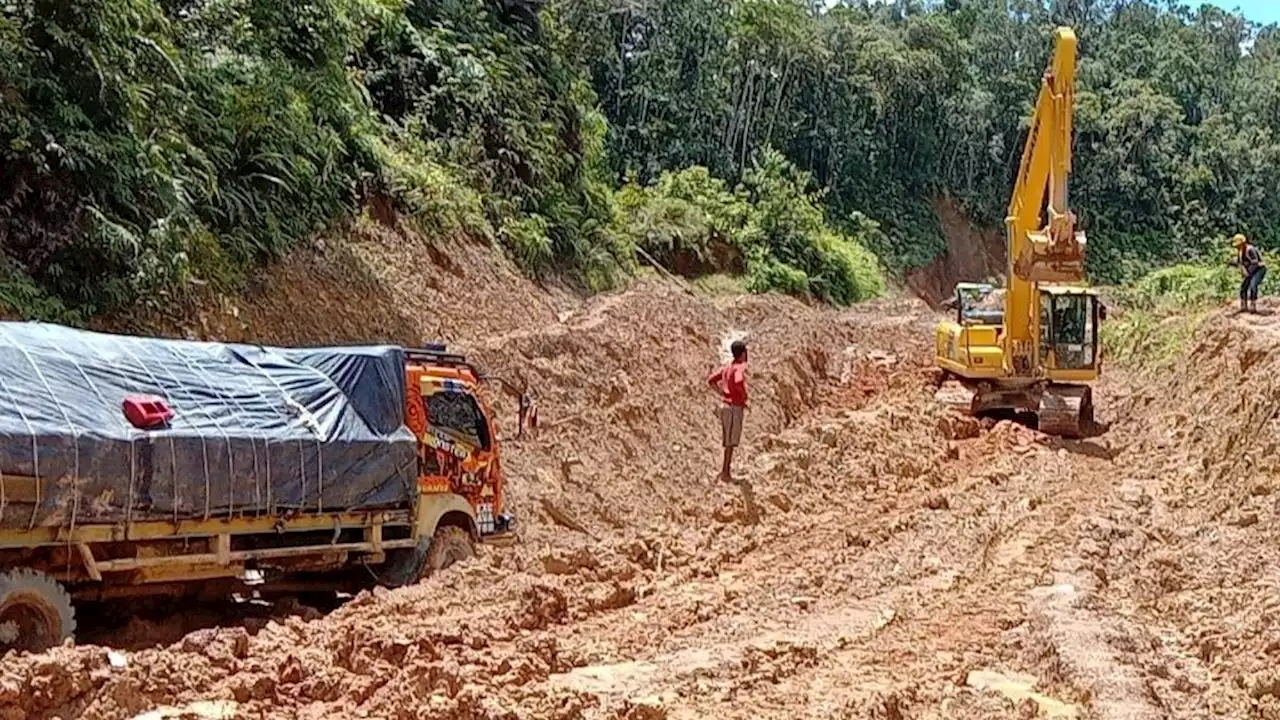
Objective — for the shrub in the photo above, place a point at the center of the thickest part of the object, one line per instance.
(772, 221)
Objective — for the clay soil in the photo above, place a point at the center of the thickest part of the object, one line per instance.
(879, 558)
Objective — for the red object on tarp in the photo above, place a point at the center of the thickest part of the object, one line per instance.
(147, 412)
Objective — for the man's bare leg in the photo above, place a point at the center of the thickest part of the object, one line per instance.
(725, 471)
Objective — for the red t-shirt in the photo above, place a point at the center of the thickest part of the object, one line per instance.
(732, 381)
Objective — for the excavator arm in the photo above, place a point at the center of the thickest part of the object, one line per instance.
(1043, 244)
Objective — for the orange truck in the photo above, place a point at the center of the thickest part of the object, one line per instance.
(142, 467)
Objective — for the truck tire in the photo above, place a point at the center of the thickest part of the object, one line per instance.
(405, 566)
(450, 544)
(35, 612)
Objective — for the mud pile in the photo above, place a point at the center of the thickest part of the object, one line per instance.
(630, 549)
(1191, 548)
(880, 559)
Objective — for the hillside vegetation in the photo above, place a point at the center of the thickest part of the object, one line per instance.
(152, 146)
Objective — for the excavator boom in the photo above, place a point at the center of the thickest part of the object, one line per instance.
(1052, 251)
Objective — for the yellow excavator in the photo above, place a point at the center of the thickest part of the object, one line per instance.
(1028, 349)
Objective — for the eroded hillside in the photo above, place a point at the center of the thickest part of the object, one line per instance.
(881, 560)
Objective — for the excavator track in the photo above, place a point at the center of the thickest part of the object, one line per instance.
(958, 397)
(1060, 410)
(1066, 411)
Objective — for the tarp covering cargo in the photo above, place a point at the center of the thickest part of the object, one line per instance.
(254, 430)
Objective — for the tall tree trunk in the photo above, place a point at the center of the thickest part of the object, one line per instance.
(782, 88)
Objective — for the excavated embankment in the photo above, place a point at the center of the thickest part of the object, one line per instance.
(880, 560)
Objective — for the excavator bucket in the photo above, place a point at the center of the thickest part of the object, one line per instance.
(1066, 411)
(1045, 261)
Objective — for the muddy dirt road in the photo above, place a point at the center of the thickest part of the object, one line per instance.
(881, 560)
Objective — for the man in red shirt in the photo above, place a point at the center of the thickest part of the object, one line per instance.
(731, 381)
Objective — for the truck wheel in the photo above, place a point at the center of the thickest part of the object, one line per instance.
(405, 565)
(35, 612)
(451, 544)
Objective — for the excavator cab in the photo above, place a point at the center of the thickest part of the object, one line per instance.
(1069, 322)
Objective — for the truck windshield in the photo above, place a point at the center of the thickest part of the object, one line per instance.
(458, 415)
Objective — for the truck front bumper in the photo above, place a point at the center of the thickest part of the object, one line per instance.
(501, 532)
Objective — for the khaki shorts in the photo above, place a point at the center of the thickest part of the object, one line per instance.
(731, 424)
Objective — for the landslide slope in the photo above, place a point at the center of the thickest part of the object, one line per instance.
(618, 482)
(881, 560)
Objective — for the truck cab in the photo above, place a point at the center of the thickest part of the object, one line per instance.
(457, 439)
(460, 482)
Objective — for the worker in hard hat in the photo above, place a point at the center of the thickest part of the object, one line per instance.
(1249, 260)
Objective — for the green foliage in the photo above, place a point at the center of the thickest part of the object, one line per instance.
(789, 246)
(484, 82)
(147, 143)
(1159, 313)
(1179, 288)
(682, 213)
(21, 297)
(1143, 339)
(771, 223)
(416, 171)
(131, 134)
(890, 104)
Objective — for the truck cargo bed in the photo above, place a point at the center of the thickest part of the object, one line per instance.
(255, 430)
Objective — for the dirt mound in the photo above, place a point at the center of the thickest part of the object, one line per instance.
(873, 559)
(1202, 445)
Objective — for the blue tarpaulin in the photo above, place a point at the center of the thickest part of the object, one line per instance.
(256, 430)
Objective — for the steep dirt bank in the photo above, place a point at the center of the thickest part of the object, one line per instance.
(377, 282)
(973, 254)
(1192, 554)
